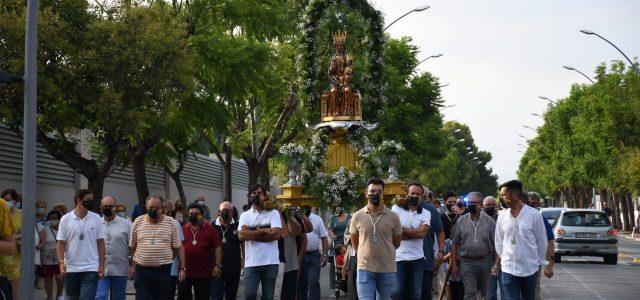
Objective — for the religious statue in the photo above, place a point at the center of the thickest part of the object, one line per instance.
(342, 99)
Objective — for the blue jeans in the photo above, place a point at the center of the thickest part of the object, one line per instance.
(495, 283)
(514, 287)
(309, 285)
(375, 285)
(265, 275)
(411, 271)
(226, 287)
(117, 285)
(81, 285)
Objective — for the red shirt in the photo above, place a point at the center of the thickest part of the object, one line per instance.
(199, 257)
(340, 260)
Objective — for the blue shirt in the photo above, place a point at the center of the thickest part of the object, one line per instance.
(434, 227)
(136, 212)
(547, 226)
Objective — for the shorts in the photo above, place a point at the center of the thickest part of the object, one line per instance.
(39, 270)
(50, 270)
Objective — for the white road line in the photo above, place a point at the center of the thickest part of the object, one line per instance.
(582, 283)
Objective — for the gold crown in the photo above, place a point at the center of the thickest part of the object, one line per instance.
(339, 37)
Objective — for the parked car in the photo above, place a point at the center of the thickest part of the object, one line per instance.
(585, 232)
(551, 213)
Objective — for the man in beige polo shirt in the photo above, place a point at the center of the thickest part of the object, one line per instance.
(376, 233)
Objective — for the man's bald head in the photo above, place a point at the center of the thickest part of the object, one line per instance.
(108, 200)
(226, 205)
(489, 201)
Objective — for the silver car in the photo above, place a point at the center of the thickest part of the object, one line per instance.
(587, 232)
(551, 213)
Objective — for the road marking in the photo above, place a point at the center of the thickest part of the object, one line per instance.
(582, 283)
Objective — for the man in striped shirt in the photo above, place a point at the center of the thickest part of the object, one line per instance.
(154, 243)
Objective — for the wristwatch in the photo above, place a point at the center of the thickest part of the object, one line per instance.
(441, 251)
(183, 269)
(219, 266)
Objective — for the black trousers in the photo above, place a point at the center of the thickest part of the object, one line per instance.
(153, 283)
(201, 288)
(226, 286)
(289, 285)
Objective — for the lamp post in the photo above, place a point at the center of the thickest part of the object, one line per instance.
(454, 132)
(471, 160)
(545, 98)
(519, 144)
(570, 68)
(589, 32)
(470, 152)
(432, 56)
(417, 9)
(537, 115)
(458, 141)
(6, 78)
(528, 127)
(443, 85)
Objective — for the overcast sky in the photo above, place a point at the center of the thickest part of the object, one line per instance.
(499, 56)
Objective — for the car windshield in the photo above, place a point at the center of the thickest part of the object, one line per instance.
(583, 218)
(551, 214)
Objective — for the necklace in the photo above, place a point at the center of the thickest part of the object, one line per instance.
(194, 234)
(475, 228)
(374, 237)
(515, 230)
(224, 232)
(83, 220)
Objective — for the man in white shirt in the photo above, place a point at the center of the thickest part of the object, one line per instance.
(260, 230)
(80, 248)
(314, 259)
(521, 244)
(410, 260)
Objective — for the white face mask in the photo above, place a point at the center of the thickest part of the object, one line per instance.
(54, 222)
(120, 214)
(40, 210)
(200, 202)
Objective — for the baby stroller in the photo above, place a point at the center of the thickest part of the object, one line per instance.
(338, 257)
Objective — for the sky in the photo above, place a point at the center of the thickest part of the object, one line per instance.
(499, 56)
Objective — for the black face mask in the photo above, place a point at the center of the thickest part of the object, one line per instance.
(490, 210)
(225, 216)
(193, 219)
(256, 200)
(460, 205)
(375, 199)
(88, 204)
(153, 214)
(413, 200)
(473, 208)
(449, 206)
(107, 212)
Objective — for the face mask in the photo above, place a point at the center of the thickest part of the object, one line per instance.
(153, 214)
(10, 204)
(178, 207)
(200, 202)
(225, 216)
(255, 200)
(449, 206)
(375, 199)
(193, 219)
(120, 214)
(413, 200)
(340, 210)
(54, 222)
(107, 212)
(472, 208)
(490, 210)
(88, 204)
(40, 210)
(460, 205)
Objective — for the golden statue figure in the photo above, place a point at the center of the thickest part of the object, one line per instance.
(342, 99)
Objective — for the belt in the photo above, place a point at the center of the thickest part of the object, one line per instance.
(474, 257)
(314, 251)
(154, 267)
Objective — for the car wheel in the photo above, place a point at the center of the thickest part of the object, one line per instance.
(611, 259)
(557, 258)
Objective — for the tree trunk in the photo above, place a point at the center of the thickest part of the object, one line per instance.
(603, 197)
(226, 174)
(96, 185)
(623, 205)
(176, 179)
(264, 178)
(140, 178)
(253, 170)
(615, 213)
(630, 210)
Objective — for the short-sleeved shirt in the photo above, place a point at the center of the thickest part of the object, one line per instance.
(154, 243)
(475, 237)
(199, 257)
(380, 256)
(116, 244)
(431, 237)
(338, 227)
(411, 249)
(315, 236)
(260, 253)
(231, 247)
(6, 224)
(48, 252)
(448, 221)
(547, 226)
(81, 235)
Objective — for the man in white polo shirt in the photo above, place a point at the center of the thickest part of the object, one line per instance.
(410, 261)
(314, 259)
(80, 248)
(260, 230)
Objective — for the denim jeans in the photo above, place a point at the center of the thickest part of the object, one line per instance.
(226, 287)
(375, 285)
(254, 276)
(495, 283)
(153, 283)
(516, 288)
(81, 285)
(410, 271)
(427, 283)
(117, 285)
(309, 285)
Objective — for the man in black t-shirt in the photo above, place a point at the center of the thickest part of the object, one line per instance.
(449, 217)
(232, 249)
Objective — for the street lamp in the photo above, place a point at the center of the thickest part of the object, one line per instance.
(545, 98)
(521, 145)
(432, 56)
(470, 152)
(468, 148)
(443, 85)
(472, 159)
(458, 141)
(417, 9)
(520, 151)
(528, 127)
(589, 32)
(453, 132)
(537, 115)
(6, 78)
(583, 74)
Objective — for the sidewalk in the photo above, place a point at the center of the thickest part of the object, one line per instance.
(628, 247)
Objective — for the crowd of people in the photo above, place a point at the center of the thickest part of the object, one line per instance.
(462, 247)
